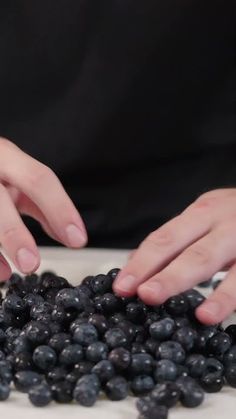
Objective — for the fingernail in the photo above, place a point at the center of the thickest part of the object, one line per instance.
(126, 283)
(154, 287)
(27, 260)
(211, 307)
(75, 236)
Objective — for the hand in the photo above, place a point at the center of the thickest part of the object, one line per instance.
(29, 187)
(185, 251)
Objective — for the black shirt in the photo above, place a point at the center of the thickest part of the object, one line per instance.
(131, 102)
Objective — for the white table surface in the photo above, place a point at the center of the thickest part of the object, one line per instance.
(74, 265)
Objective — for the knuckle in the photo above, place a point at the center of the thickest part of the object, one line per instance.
(162, 237)
(205, 201)
(10, 233)
(5, 143)
(199, 254)
(225, 296)
(39, 176)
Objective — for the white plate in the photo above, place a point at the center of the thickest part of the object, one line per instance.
(75, 265)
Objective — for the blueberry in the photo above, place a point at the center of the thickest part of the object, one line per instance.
(13, 303)
(108, 303)
(141, 364)
(116, 388)
(58, 314)
(101, 284)
(56, 374)
(113, 273)
(166, 394)
(141, 385)
(84, 290)
(214, 365)
(59, 341)
(86, 391)
(21, 344)
(77, 322)
(171, 350)
(163, 329)
(205, 284)
(138, 348)
(148, 409)
(37, 332)
(136, 312)
(116, 318)
(23, 361)
(177, 305)
(212, 382)
(4, 391)
(40, 395)
(85, 394)
(182, 370)
(44, 357)
(91, 380)
(49, 280)
(191, 394)
(230, 375)
(230, 356)
(204, 334)
(104, 370)
(129, 329)
(71, 354)
(62, 392)
(100, 322)
(39, 309)
(216, 283)
(218, 344)
(120, 358)
(87, 281)
(186, 336)
(85, 334)
(50, 295)
(165, 370)
(196, 364)
(15, 279)
(5, 372)
(68, 298)
(231, 331)
(140, 333)
(12, 332)
(79, 370)
(3, 336)
(194, 298)
(115, 337)
(24, 380)
(151, 346)
(182, 322)
(2, 356)
(96, 352)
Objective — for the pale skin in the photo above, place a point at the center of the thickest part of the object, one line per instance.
(185, 251)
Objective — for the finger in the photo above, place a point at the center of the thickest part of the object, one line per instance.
(159, 248)
(198, 262)
(131, 254)
(16, 240)
(5, 270)
(43, 187)
(26, 207)
(221, 303)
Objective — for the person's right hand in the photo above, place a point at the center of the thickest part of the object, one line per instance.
(31, 188)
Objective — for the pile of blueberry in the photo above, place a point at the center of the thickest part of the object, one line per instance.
(63, 343)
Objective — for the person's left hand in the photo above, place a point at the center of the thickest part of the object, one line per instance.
(185, 251)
